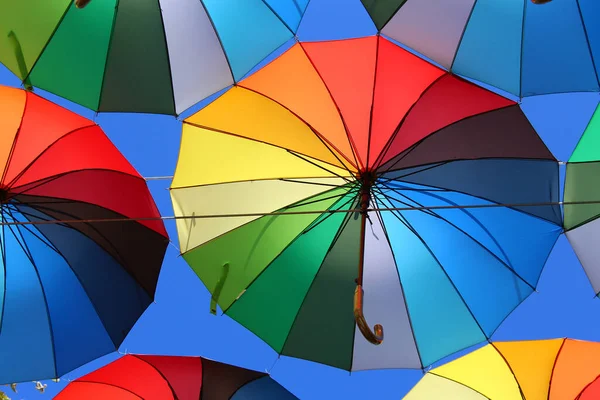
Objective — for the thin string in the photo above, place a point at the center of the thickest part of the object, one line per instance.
(281, 213)
(170, 177)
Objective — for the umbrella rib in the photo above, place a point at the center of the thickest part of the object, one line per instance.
(298, 7)
(587, 41)
(298, 179)
(462, 35)
(40, 236)
(159, 372)
(389, 242)
(310, 183)
(317, 165)
(425, 167)
(164, 32)
(587, 221)
(208, 128)
(108, 48)
(424, 243)
(389, 18)
(81, 285)
(372, 100)
(392, 137)
(108, 384)
(303, 232)
(586, 387)
(29, 256)
(554, 366)
(43, 152)
(313, 199)
(47, 42)
(333, 242)
(14, 142)
(289, 28)
(422, 209)
(414, 146)
(339, 112)
(45, 210)
(314, 224)
(510, 369)
(327, 144)
(3, 247)
(511, 205)
(406, 153)
(507, 264)
(216, 32)
(114, 254)
(521, 49)
(40, 182)
(266, 375)
(460, 383)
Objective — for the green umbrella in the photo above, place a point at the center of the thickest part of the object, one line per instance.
(582, 200)
(159, 56)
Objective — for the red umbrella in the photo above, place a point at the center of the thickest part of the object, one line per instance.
(71, 284)
(135, 377)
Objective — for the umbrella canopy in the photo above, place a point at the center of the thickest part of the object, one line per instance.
(152, 377)
(435, 195)
(555, 369)
(141, 56)
(71, 285)
(582, 190)
(523, 47)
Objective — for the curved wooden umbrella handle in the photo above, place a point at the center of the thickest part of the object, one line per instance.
(82, 3)
(374, 337)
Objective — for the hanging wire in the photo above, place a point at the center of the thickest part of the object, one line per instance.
(281, 213)
(158, 178)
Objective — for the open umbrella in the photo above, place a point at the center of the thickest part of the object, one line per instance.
(141, 56)
(355, 165)
(71, 284)
(555, 369)
(151, 377)
(582, 200)
(525, 47)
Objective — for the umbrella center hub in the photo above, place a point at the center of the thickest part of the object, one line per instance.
(367, 180)
(4, 195)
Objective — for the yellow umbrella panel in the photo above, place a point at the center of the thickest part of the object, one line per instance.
(555, 369)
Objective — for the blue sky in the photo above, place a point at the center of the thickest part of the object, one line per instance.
(179, 323)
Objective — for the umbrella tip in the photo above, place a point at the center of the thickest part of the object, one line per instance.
(81, 3)
(4, 194)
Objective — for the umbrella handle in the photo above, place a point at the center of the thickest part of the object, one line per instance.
(82, 3)
(374, 337)
(214, 299)
(16, 45)
(540, 1)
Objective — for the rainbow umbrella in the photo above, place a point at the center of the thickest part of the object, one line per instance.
(582, 200)
(523, 47)
(71, 284)
(158, 56)
(355, 165)
(555, 369)
(152, 377)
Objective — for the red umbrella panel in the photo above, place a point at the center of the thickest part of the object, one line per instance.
(151, 377)
(72, 284)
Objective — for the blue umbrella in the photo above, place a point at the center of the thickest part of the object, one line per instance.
(72, 285)
(524, 47)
